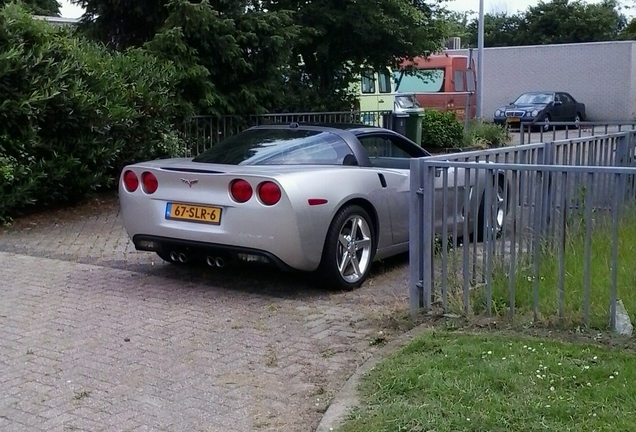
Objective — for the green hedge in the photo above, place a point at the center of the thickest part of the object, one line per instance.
(441, 129)
(72, 113)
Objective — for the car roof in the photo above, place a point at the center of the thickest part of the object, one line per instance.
(354, 128)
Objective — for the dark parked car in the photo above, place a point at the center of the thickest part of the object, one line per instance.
(541, 107)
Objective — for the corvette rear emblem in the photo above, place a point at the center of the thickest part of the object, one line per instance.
(190, 182)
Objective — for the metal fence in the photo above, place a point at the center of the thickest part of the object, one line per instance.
(203, 132)
(531, 230)
(554, 131)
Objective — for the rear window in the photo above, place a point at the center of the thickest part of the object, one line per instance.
(278, 147)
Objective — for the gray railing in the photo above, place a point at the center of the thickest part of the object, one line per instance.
(203, 132)
(534, 231)
(555, 131)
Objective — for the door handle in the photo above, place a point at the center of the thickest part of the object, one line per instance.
(381, 101)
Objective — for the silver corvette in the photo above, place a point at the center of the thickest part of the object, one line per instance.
(330, 199)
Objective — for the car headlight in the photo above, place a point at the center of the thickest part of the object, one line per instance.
(535, 113)
(498, 113)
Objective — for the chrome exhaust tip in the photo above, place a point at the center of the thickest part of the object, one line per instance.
(183, 257)
(174, 256)
(220, 262)
(210, 261)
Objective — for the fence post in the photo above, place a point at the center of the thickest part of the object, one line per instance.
(622, 150)
(522, 135)
(416, 210)
(544, 180)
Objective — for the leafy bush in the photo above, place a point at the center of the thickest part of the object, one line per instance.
(73, 113)
(441, 129)
(486, 135)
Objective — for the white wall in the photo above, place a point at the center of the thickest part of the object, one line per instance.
(602, 75)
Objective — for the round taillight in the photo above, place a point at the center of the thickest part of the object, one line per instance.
(269, 193)
(150, 182)
(241, 191)
(131, 182)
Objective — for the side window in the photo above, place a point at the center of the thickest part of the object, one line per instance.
(458, 77)
(557, 97)
(385, 81)
(470, 80)
(566, 99)
(368, 83)
(384, 152)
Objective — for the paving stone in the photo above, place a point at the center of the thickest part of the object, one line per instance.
(97, 336)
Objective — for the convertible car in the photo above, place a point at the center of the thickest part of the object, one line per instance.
(325, 198)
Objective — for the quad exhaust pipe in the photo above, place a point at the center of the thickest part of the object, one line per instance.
(179, 257)
(215, 262)
(212, 261)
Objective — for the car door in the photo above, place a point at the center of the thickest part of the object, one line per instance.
(368, 91)
(388, 156)
(386, 96)
(558, 113)
(569, 107)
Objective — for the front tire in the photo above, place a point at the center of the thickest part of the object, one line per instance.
(546, 123)
(349, 249)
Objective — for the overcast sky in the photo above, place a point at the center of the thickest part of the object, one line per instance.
(510, 6)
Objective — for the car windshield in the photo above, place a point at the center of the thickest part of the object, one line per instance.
(407, 101)
(278, 147)
(534, 98)
(424, 81)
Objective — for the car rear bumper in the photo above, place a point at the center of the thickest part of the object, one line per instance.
(201, 250)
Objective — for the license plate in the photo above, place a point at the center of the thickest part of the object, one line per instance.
(514, 119)
(192, 213)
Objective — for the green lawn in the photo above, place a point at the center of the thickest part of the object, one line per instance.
(574, 273)
(445, 381)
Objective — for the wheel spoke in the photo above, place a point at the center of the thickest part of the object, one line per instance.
(364, 243)
(345, 260)
(344, 242)
(355, 223)
(356, 266)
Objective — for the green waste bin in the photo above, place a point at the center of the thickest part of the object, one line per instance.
(407, 117)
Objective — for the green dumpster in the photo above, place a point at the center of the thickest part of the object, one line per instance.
(407, 117)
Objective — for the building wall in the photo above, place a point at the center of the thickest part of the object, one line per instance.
(602, 75)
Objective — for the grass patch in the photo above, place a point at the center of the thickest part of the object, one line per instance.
(491, 382)
(549, 277)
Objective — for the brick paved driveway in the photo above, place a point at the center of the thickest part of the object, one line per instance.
(95, 336)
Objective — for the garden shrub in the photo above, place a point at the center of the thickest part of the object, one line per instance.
(441, 129)
(486, 134)
(72, 113)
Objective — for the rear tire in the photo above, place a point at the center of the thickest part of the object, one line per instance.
(349, 249)
(497, 219)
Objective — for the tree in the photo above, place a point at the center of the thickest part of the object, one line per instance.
(38, 7)
(564, 21)
(233, 53)
(458, 25)
(557, 21)
(122, 23)
(339, 38)
(500, 29)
